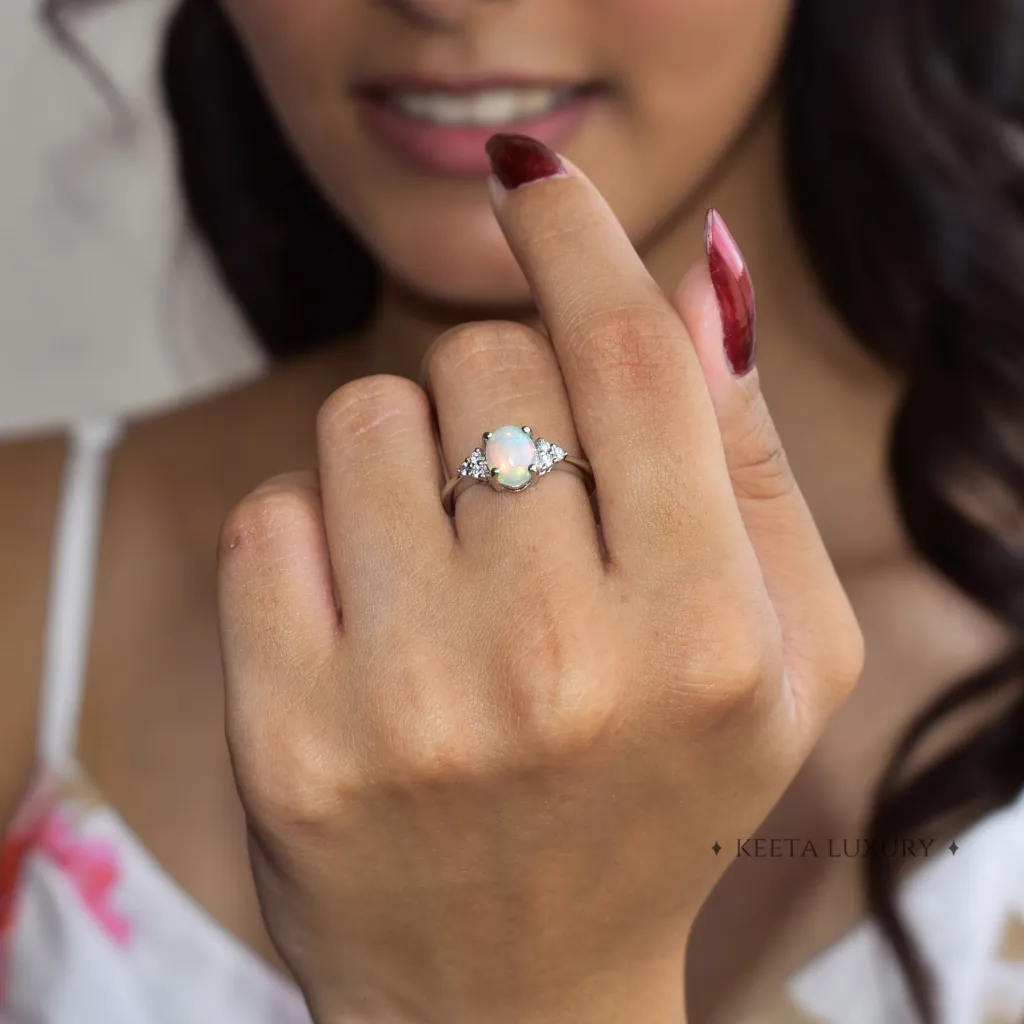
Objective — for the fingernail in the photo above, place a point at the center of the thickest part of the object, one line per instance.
(735, 291)
(518, 160)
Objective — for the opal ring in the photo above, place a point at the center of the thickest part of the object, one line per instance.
(511, 460)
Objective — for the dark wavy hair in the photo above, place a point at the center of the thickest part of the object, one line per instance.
(905, 168)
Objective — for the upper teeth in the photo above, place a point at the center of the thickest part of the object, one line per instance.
(483, 109)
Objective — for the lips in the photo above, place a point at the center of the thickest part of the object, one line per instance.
(458, 150)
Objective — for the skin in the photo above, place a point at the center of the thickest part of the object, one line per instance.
(691, 127)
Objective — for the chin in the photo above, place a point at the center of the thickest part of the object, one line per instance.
(483, 288)
(449, 254)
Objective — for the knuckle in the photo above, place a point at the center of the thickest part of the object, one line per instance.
(557, 686)
(484, 350)
(422, 729)
(630, 351)
(439, 756)
(540, 726)
(727, 674)
(571, 716)
(758, 464)
(298, 782)
(853, 658)
(537, 717)
(363, 407)
(273, 511)
(747, 659)
(847, 656)
(831, 654)
(433, 739)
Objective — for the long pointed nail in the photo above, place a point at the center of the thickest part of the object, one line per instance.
(735, 291)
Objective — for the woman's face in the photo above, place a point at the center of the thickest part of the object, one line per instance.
(664, 86)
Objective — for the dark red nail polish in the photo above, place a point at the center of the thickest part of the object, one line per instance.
(735, 291)
(519, 160)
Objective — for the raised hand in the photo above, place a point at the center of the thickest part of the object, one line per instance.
(486, 788)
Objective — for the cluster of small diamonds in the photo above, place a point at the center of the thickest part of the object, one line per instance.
(547, 455)
(475, 465)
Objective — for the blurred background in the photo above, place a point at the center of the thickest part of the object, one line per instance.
(106, 302)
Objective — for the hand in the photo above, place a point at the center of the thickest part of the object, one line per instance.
(487, 790)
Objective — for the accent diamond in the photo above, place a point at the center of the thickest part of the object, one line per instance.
(475, 465)
(547, 455)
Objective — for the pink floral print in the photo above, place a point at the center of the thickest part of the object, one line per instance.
(91, 865)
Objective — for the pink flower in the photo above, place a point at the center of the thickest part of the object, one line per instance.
(93, 867)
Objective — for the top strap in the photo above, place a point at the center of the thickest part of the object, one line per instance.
(69, 615)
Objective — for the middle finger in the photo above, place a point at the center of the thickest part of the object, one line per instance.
(636, 388)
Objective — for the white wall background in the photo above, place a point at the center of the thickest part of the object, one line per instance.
(105, 302)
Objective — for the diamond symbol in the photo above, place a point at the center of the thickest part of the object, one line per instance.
(953, 847)
(716, 848)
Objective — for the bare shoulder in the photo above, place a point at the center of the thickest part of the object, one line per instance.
(30, 481)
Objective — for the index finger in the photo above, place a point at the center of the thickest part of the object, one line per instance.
(639, 400)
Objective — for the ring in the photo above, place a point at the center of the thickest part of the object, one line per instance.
(511, 460)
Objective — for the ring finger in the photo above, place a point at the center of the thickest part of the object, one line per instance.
(485, 376)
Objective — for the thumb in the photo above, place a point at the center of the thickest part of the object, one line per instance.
(716, 303)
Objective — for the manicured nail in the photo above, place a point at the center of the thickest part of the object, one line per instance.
(735, 291)
(518, 160)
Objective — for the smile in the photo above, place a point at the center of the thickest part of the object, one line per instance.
(488, 108)
(443, 130)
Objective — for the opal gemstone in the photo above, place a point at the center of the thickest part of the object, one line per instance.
(511, 452)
